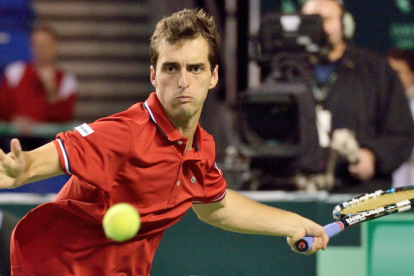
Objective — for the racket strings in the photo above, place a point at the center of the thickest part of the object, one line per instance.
(378, 202)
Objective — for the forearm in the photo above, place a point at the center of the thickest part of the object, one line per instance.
(243, 215)
(36, 171)
(390, 152)
(392, 136)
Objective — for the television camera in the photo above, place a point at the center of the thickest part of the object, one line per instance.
(276, 119)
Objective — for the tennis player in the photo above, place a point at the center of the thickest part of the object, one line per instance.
(154, 155)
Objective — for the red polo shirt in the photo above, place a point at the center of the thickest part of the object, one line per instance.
(137, 157)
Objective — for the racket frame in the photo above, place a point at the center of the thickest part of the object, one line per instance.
(344, 221)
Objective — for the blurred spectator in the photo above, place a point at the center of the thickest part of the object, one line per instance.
(358, 91)
(402, 61)
(38, 91)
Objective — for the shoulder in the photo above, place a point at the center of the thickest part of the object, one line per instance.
(369, 62)
(136, 117)
(366, 57)
(68, 86)
(136, 112)
(363, 52)
(16, 66)
(14, 72)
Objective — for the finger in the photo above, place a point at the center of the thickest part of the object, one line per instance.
(352, 168)
(367, 177)
(2, 155)
(16, 148)
(325, 241)
(355, 171)
(322, 240)
(4, 159)
(317, 244)
(292, 240)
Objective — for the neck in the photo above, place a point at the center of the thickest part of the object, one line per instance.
(186, 127)
(337, 52)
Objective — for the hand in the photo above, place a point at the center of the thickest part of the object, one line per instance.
(12, 166)
(345, 143)
(320, 240)
(364, 169)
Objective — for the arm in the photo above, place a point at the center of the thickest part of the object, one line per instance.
(240, 214)
(19, 167)
(394, 136)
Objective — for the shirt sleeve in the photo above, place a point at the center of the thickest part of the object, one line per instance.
(214, 183)
(95, 152)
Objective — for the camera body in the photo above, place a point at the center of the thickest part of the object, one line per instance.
(296, 33)
(276, 120)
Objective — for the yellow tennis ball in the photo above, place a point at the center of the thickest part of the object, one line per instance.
(121, 222)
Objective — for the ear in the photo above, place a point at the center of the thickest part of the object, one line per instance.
(152, 76)
(214, 78)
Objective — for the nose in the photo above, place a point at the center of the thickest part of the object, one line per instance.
(183, 81)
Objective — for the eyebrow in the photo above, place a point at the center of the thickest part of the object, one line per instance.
(171, 63)
(197, 64)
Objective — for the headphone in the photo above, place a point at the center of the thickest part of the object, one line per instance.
(348, 23)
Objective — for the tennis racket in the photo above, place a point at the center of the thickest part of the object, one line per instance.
(364, 208)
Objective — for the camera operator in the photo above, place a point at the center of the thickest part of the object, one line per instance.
(357, 90)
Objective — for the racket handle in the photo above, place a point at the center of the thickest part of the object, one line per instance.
(332, 229)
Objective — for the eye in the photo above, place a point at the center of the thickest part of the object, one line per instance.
(196, 69)
(170, 68)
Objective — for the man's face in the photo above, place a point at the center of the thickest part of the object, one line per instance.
(331, 13)
(183, 77)
(403, 70)
(44, 47)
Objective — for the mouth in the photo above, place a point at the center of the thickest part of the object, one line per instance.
(184, 98)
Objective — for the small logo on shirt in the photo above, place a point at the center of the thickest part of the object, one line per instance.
(193, 179)
(84, 130)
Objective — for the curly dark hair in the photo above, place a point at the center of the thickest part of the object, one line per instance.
(186, 24)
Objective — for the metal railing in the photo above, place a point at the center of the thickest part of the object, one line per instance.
(38, 130)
